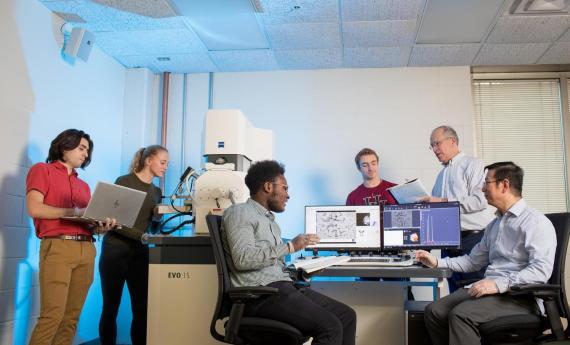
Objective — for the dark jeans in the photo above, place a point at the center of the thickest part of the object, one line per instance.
(323, 318)
(455, 318)
(468, 240)
(121, 261)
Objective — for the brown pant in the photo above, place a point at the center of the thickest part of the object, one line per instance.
(66, 273)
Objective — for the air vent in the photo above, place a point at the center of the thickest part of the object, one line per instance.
(538, 7)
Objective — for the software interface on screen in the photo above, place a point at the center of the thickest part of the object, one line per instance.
(410, 226)
(344, 227)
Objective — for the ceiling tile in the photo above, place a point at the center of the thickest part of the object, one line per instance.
(304, 35)
(443, 54)
(376, 56)
(302, 11)
(559, 53)
(159, 42)
(137, 61)
(309, 58)
(244, 60)
(92, 14)
(379, 34)
(457, 21)
(148, 8)
(186, 63)
(181, 63)
(104, 18)
(565, 37)
(510, 54)
(528, 29)
(368, 10)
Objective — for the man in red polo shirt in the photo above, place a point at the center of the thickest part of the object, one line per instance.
(67, 253)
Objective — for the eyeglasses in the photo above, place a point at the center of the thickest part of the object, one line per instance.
(435, 144)
(285, 187)
(491, 181)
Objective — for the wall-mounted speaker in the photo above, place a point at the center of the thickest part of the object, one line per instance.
(79, 44)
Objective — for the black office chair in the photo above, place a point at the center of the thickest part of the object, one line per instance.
(527, 328)
(241, 329)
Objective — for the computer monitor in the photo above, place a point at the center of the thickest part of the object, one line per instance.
(421, 226)
(344, 228)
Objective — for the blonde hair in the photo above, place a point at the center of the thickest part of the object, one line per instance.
(137, 165)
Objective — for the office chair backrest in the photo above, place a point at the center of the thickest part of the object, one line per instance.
(223, 305)
(561, 222)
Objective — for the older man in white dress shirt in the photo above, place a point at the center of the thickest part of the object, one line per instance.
(461, 179)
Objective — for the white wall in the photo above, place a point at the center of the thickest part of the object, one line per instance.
(41, 95)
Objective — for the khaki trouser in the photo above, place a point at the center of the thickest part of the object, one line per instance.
(66, 273)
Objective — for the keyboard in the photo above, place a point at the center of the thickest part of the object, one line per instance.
(311, 264)
(379, 261)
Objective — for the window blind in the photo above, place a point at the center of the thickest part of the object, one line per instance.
(521, 121)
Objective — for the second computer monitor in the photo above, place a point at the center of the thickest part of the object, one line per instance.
(344, 228)
(423, 225)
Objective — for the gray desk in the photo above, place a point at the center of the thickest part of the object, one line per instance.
(438, 274)
(382, 318)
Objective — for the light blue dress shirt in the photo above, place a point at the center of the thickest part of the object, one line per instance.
(461, 180)
(519, 247)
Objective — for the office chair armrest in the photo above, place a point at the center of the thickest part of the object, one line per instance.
(247, 293)
(537, 290)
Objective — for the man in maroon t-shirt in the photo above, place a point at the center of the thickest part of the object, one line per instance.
(372, 191)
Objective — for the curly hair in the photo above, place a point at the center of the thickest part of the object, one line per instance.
(261, 172)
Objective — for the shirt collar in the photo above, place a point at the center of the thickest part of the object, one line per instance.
(60, 166)
(260, 209)
(455, 159)
(517, 208)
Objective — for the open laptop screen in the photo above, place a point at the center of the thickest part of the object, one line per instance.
(422, 225)
(344, 228)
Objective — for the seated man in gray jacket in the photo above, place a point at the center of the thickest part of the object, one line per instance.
(252, 239)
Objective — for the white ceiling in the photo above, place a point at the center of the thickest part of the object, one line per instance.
(317, 34)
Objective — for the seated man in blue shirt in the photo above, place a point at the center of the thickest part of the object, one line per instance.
(518, 246)
(252, 239)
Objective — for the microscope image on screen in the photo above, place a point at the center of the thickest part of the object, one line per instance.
(412, 236)
(402, 219)
(336, 225)
(363, 219)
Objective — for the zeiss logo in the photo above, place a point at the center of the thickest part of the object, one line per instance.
(221, 144)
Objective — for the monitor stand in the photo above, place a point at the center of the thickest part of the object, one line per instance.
(365, 253)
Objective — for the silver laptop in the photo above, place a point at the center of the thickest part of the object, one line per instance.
(112, 201)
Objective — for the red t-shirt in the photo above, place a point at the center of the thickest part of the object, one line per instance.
(371, 196)
(59, 190)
